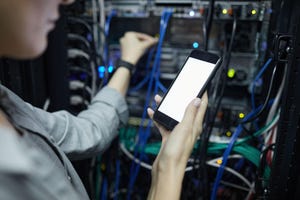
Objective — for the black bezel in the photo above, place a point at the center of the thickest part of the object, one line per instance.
(168, 122)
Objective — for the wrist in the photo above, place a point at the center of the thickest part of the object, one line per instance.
(125, 64)
(167, 184)
(171, 166)
(165, 162)
(131, 59)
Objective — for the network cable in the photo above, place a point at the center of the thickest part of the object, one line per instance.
(147, 77)
(226, 153)
(117, 182)
(145, 133)
(208, 23)
(207, 132)
(256, 79)
(266, 99)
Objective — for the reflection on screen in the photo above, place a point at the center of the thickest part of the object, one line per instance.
(186, 87)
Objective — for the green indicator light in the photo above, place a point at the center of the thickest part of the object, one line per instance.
(231, 73)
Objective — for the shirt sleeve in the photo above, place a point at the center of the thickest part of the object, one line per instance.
(92, 130)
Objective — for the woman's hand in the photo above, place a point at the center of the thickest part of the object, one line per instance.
(169, 166)
(134, 45)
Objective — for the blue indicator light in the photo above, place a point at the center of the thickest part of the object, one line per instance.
(110, 69)
(101, 69)
(101, 75)
(89, 37)
(195, 45)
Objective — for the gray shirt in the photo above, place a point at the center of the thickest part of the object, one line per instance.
(36, 165)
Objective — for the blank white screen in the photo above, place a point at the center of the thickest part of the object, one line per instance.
(186, 87)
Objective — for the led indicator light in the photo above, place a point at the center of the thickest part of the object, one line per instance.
(101, 69)
(241, 115)
(253, 12)
(195, 45)
(110, 69)
(192, 13)
(228, 133)
(219, 161)
(231, 73)
(224, 11)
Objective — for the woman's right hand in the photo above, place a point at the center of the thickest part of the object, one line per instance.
(177, 145)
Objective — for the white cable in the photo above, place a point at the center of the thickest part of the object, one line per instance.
(251, 191)
(73, 53)
(94, 79)
(102, 13)
(79, 38)
(274, 140)
(129, 155)
(277, 98)
(210, 162)
(77, 100)
(143, 164)
(76, 84)
(232, 171)
(95, 22)
(101, 24)
(235, 186)
(46, 104)
(275, 121)
(276, 102)
(268, 135)
(213, 163)
(265, 131)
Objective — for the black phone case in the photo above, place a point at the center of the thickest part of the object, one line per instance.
(168, 122)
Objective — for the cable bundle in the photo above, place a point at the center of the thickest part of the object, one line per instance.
(144, 132)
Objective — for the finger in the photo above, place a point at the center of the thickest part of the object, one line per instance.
(150, 113)
(157, 99)
(202, 109)
(163, 132)
(147, 40)
(200, 114)
(148, 43)
(143, 36)
(191, 111)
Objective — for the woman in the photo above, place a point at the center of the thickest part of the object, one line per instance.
(36, 145)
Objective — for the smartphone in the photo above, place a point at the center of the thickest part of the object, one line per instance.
(191, 82)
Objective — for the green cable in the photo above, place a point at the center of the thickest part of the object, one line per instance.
(259, 132)
(128, 134)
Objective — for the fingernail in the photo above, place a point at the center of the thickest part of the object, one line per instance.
(197, 102)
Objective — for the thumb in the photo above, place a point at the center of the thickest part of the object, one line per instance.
(191, 111)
